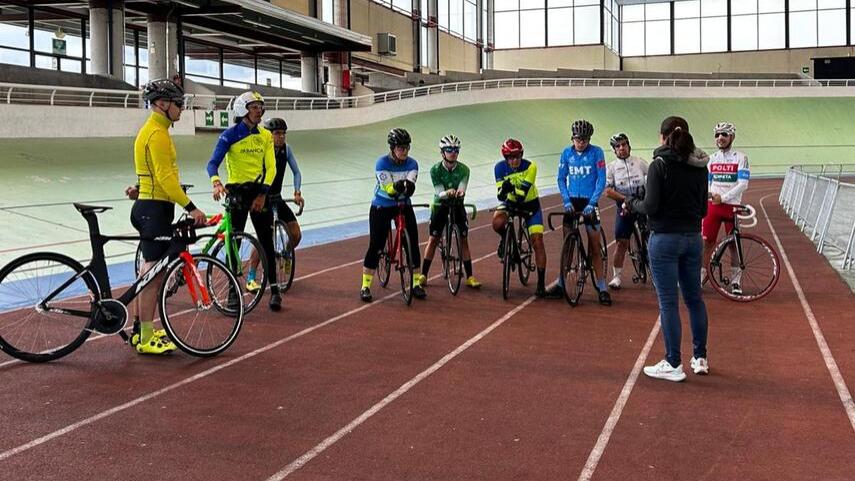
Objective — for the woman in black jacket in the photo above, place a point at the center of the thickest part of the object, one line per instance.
(675, 203)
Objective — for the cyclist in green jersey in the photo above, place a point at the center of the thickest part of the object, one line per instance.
(450, 179)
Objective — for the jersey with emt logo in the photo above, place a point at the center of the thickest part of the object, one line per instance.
(729, 175)
(582, 175)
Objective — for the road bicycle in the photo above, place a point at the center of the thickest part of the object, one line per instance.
(450, 245)
(50, 303)
(516, 248)
(234, 248)
(397, 255)
(743, 267)
(576, 261)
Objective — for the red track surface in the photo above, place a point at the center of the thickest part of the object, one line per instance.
(527, 400)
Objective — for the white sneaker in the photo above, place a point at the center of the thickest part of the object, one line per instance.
(615, 282)
(663, 370)
(700, 366)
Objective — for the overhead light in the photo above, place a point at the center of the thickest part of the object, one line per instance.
(205, 34)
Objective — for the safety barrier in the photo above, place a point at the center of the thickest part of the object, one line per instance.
(822, 204)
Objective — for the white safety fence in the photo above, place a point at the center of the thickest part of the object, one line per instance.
(56, 95)
(822, 204)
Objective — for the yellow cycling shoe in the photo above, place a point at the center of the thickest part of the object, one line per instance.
(253, 286)
(156, 345)
(421, 280)
(473, 282)
(158, 333)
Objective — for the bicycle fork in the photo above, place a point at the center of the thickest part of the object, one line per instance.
(194, 281)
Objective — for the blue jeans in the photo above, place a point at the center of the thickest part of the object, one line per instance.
(677, 258)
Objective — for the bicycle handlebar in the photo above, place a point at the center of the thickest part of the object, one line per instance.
(300, 211)
(746, 213)
(572, 212)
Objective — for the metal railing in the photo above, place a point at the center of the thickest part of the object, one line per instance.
(822, 204)
(54, 95)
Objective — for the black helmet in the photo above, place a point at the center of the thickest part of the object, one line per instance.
(399, 137)
(162, 89)
(582, 129)
(617, 139)
(276, 124)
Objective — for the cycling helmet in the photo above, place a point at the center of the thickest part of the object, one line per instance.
(162, 89)
(449, 140)
(241, 103)
(617, 139)
(276, 124)
(398, 137)
(725, 128)
(582, 129)
(512, 147)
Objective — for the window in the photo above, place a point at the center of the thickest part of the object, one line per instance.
(757, 25)
(649, 30)
(562, 22)
(400, 5)
(817, 23)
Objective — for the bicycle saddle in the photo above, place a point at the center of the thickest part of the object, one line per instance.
(88, 209)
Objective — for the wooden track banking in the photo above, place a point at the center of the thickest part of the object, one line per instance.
(466, 387)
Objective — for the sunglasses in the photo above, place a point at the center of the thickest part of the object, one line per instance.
(582, 139)
(451, 150)
(179, 103)
(403, 147)
(721, 134)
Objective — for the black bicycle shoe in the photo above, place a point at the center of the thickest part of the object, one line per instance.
(605, 298)
(555, 292)
(419, 292)
(365, 295)
(275, 301)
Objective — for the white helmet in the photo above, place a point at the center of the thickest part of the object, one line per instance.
(449, 140)
(725, 128)
(241, 103)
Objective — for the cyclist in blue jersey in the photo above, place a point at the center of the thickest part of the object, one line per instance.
(396, 174)
(582, 180)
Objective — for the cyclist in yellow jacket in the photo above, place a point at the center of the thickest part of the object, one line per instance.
(154, 208)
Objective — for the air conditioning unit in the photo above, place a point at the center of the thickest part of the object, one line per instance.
(387, 44)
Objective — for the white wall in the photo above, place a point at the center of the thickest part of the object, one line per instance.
(45, 121)
(333, 119)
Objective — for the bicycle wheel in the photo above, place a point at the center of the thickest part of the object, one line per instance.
(454, 260)
(405, 268)
(286, 258)
(245, 246)
(384, 268)
(46, 306)
(196, 316)
(757, 276)
(138, 261)
(573, 269)
(525, 264)
(441, 247)
(638, 257)
(508, 261)
(604, 250)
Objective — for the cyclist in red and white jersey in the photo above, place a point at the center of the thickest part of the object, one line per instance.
(728, 180)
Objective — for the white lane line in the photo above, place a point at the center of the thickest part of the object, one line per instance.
(827, 356)
(48, 437)
(617, 410)
(326, 443)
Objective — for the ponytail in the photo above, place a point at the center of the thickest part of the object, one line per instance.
(677, 136)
